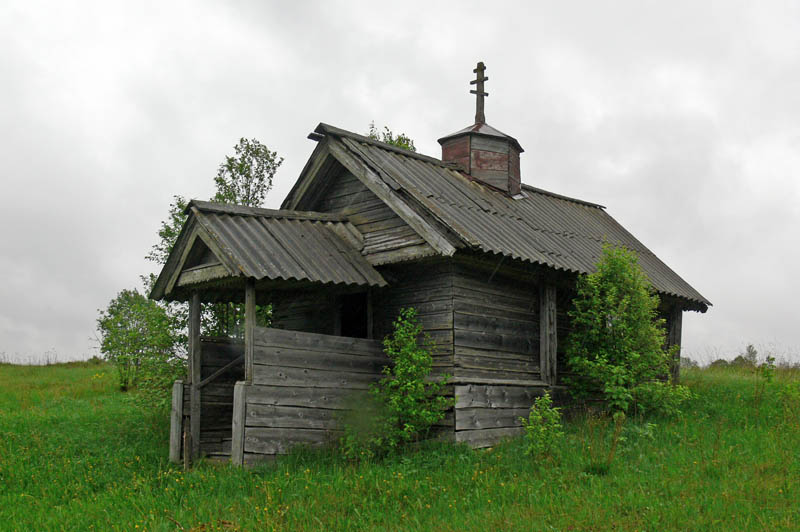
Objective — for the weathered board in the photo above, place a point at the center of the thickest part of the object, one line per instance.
(428, 287)
(495, 324)
(387, 237)
(302, 384)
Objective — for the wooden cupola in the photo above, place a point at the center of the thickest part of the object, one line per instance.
(482, 151)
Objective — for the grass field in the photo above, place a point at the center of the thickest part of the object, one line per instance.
(75, 454)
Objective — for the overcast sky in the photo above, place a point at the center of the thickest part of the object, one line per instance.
(683, 118)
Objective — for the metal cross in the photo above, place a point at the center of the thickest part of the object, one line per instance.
(480, 117)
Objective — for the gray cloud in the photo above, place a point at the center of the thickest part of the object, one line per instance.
(681, 117)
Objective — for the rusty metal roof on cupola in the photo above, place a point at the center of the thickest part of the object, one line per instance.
(538, 226)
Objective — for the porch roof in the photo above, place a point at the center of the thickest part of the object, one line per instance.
(223, 242)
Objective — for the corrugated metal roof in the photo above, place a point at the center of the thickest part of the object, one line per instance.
(542, 228)
(288, 245)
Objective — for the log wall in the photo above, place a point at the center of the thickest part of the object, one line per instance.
(496, 351)
(428, 287)
(304, 311)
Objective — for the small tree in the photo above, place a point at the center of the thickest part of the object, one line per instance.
(136, 337)
(246, 178)
(406, 404)
(242, 179)
(543, 429)
(401, 141)
(616, 347)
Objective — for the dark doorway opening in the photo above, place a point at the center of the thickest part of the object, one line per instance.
(354, 315)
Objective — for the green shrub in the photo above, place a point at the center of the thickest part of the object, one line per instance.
(543, 430)
(616, 347)
(660, 398)
(406, 403)
(138, 339)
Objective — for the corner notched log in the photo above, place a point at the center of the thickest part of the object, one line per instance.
(548, 334)
(674, 338)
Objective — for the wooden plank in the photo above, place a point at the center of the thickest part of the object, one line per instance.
(291, 357)
(496, 396)
(249, 327)
(202, 274)
(495, 309)
(269, 337)
(471, 374)
(238, 422)
(195, 372)
(220, 371)
(498, 355)
(548, 336)
(513, 343)
(486, 437)
(509, 365)
(280, 376)
(303, 396)
(290, 417)
(488, 144)
(495, 325)
(176, 423)
(489, 418)
(264, 440)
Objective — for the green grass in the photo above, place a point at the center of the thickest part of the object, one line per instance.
(75, 454)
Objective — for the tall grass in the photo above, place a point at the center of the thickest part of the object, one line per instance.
(76, 455)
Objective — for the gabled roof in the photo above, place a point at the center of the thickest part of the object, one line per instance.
(265, 244)
(540, 228)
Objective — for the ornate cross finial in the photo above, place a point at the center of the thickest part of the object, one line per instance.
(480, 117)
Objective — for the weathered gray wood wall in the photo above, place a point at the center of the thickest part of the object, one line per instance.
(496, 350)
(496, 325)
(302, 383)
(428, 287)
(387, 238)
(304, 311)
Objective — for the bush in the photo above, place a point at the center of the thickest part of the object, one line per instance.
(406, 404)
(137, 338)
(543, 430)
(616, 347)
(660, 398)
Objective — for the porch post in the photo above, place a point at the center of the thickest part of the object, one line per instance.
(249, 328)
(176, 423)
(195, 365)
(548, 335)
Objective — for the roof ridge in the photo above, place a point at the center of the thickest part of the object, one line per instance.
(562, 197)
(327, 129)
(243, 210)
